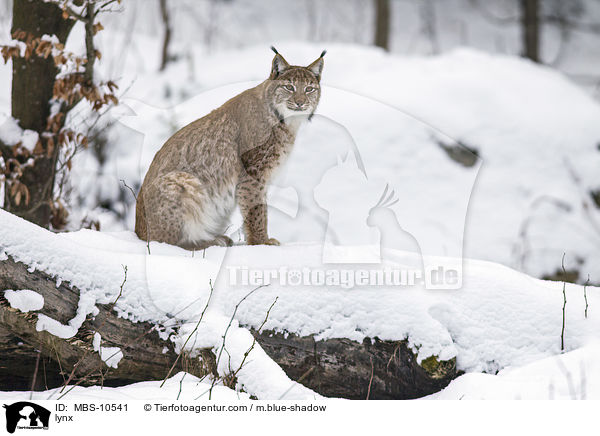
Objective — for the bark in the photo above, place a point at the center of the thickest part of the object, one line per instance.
(90, 50)
(530, 29)
(18, 362)
(382, 23)
(32, 86)
(373, 369)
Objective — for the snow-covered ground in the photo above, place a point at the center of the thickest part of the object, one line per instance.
(384, 120)
(536, 135)
(499, 319)
(181, 386)
(570, 376)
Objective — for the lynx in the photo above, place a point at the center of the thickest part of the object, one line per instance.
(224, 158)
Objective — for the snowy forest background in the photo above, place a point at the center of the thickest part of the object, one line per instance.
(482, 115)
(164, 54)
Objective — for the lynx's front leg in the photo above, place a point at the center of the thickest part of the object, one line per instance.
(252, 198)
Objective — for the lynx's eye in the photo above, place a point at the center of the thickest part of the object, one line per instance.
(290, 88)
(310, 89)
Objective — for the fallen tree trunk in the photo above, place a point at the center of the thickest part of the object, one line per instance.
(372, 369)
(145, 355)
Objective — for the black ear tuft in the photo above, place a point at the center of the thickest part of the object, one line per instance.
(279, 64)
(323, 53)
(317, 66)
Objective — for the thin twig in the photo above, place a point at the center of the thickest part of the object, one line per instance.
(227, 330)
(104, 6)
(396, 349)
(190, 335)
(62, 373)
(112, 305)
(77, 383)
(45, 379)
(130, 188)
(306, 374)
(562, 333)
(135, 197)
(37, 365)
(585, 295)
(371, 379)
(72, 374)
(82, 358)
(180, 385)
(234, 375)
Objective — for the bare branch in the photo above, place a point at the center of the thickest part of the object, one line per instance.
(190, 335)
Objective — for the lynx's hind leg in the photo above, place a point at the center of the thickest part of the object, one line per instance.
(180, 211)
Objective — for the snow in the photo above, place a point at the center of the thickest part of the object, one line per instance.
(86, 307)
(380, 123)
(391, 125)
(50, 38)
(11, 134)
(54, 327)
(109, 355)
(574, 375)
(500, 318)
(29, 139)
(147, 294)
(182, 386)
(24, 300)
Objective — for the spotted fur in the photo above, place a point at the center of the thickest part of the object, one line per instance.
(224, 158)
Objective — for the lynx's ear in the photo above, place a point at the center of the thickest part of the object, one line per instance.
(279, 64)
(317, 66)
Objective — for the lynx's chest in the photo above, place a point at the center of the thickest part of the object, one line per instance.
(261, 161)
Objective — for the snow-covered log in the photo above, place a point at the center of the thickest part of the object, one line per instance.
(137, 348)
(109, 309)
(334, 367)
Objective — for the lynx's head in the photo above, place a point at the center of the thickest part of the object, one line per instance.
(294, 90)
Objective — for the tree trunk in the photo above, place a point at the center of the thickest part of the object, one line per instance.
(373, 369)
(382, 24)
(32, 89)
(530, 29)
(164, 13)
(429, 24)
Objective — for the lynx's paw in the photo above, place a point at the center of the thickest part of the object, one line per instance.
(270, 241)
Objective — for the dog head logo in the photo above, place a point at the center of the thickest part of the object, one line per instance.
(24, 414)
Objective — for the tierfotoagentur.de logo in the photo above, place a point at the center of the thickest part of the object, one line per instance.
(26, 415)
